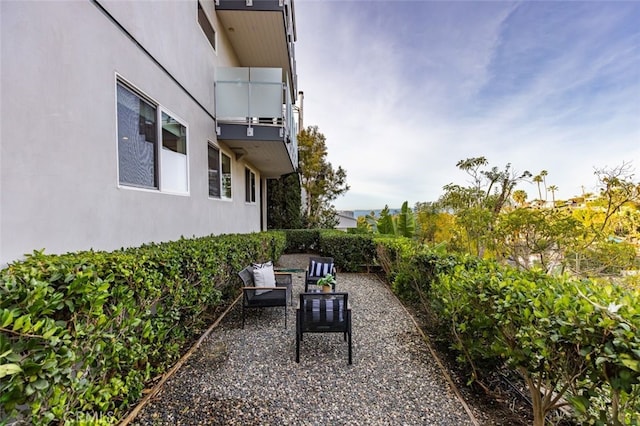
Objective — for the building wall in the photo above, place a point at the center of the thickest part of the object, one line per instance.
(59, 186)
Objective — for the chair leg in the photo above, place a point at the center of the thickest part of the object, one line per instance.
(243, 316)
(350, 351)
(349, 333)
(297, 347)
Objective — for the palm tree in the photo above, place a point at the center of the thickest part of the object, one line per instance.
(553, 189)
(538, 179)
(544, 174)
(519, 196)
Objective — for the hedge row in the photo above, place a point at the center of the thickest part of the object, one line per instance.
(82, 333)
(573, 342)
(351, 252)
(577, 340)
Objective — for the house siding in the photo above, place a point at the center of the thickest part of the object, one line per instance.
(59, 186)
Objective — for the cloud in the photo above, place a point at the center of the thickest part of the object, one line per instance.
(403, 90)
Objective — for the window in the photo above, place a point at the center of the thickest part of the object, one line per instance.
(250, 185)
(206, 26)
(219, 174)
(226, 175)
(214, 172)
(174, 155)
(141, 162)
(137, 140)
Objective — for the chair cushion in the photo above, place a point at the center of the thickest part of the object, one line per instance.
(319, 269)
(268, 299)
(263, 276)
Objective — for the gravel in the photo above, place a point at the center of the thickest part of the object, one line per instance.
(249, 377)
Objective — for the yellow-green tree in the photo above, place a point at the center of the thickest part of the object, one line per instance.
(477, 207)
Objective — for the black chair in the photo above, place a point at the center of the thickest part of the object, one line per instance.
(318, 268)
(323, 313)
(254, 297)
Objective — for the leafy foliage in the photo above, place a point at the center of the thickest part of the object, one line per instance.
(536, 237)
(284, 202)
(477, 207)
(400, 224)
(351, 252)
(320, 182)
(302, 240)
(83, 332)
(386, 224)
(571, 339)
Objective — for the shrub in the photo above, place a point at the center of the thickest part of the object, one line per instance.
(577, 339)
(83, 332)
(302, 240)
(351, 252)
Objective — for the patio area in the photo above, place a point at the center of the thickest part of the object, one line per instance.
(250, 376)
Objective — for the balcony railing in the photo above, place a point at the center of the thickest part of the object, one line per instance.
(257, 97)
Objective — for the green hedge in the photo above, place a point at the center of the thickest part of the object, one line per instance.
(580, 339)
(351, 252)
(82, 333)
(302, 240)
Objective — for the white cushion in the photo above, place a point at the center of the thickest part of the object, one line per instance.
(263, 276)
(319, 269)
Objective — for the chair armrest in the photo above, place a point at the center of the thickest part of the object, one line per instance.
(283, 277)
(250, 292)
(280, 288)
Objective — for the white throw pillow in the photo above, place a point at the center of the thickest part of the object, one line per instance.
(263, 276)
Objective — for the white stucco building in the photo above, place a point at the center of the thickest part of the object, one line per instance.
(125, 122)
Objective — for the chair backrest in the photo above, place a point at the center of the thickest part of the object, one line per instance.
(247, 276)
(320, 266)
(324, 312)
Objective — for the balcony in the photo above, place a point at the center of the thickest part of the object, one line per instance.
(255, 118)
(262, 34)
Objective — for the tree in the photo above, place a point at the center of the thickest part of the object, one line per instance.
(617, 188)
(544, 175)
(520, 197)
(599, 251)
(477, 207)
(320, 182)
(284, 204)
(538, 180)
(536, 237)
(406, 221)
(553, 189)
(386, 224)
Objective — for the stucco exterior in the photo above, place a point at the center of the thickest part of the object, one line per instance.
(59, 187)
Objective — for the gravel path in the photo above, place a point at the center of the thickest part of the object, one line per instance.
(249, 377)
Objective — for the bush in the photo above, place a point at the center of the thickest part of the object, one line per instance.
(351, 252)
(565, 337)
(302, 240)
(83, 332)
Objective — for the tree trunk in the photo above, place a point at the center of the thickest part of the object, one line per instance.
(536, 399)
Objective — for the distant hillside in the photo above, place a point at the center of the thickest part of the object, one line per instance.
(358, 213)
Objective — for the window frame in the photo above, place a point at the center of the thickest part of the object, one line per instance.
(223, 196)
(158, 167)
(201, 14)
(161, 147)
(249, 185)
(221, 153)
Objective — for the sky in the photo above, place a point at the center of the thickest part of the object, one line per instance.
(403, 90)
